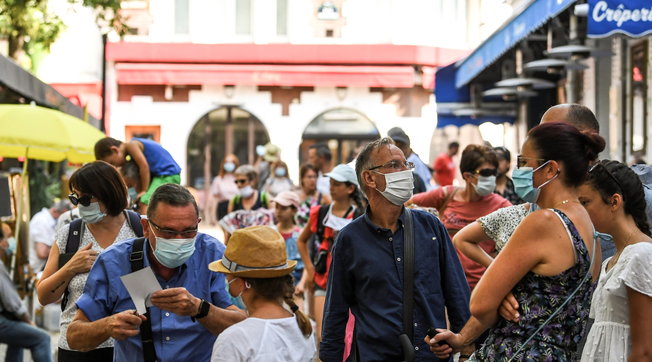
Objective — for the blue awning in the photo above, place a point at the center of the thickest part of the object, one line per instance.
(530, 19)
(453, 101)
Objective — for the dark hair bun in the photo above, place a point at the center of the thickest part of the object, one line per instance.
(594, 144)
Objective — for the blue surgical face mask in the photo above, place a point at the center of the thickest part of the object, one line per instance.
(486, 185)
(174, 252)
(523, 184)
(280, 172)
(91, 214)
(133, 194)
(12, 245)
(260, 150)
(229, 166)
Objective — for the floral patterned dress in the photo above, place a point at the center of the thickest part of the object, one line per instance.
(539, 296)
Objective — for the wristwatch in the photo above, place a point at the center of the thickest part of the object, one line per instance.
(204, 307)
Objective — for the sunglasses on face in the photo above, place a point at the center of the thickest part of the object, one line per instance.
(241, 181)
(84, 200)
(486, 172)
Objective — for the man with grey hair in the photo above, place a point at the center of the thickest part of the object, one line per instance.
(42, 233)
(185, 316)
(578, 115)
(366, 273)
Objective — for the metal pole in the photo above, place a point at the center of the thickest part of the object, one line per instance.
(571, 78)
(103, 115)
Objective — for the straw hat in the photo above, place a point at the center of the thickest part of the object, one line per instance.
(255, 252)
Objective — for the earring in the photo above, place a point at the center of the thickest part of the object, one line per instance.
(247, 285)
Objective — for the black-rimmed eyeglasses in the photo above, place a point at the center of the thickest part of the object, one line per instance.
(171, 234)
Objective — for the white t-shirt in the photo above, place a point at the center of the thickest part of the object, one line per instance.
(41, 230)
(264, 340)
(324, 184)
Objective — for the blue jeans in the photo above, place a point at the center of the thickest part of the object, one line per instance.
(20, 335)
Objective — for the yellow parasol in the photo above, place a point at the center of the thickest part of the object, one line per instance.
(45, 134)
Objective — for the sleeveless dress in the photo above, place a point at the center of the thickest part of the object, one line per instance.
(539, 296)
(609, 338)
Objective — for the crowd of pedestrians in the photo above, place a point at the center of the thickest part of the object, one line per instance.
(351, 263)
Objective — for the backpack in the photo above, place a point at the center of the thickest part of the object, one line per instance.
(263, 197)
(74, 237)
(326, 244)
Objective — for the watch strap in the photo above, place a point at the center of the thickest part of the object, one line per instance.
(204, 307)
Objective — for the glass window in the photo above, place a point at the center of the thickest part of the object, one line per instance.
(181, 17)
(282, 17)
(243, 17)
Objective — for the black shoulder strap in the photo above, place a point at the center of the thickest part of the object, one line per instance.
(133, 218)
(321, 215)
(137, 260)
(408, 275)
(74, 235)
(72, 245)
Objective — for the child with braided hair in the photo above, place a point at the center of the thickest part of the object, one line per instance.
(257, 269)
(622, 302)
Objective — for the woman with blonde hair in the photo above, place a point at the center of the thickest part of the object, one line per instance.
(257, 269)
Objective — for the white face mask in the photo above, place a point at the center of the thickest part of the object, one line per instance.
(398, 186)
(335, 222)
(246, 191)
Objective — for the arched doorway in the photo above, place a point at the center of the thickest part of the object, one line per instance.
(344, 130)
(228, 129)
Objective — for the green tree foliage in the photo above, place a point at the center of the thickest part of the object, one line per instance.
(29, 27)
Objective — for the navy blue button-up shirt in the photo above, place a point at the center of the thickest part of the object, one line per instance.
(366, 275)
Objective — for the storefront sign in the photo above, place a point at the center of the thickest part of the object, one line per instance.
(631, 17)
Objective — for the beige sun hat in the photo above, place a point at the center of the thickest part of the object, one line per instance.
(255, 252)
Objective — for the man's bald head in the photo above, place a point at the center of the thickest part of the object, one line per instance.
(577, 115)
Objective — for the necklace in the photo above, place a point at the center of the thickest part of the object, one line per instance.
(564, 202)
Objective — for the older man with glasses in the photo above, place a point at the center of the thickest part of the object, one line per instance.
(186, 315)
(367, 269)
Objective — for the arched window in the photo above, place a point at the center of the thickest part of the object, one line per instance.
(228, 129)
(344, 130)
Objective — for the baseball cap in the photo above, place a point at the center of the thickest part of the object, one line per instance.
(287, 198)
(398, 135)
(343, 173)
